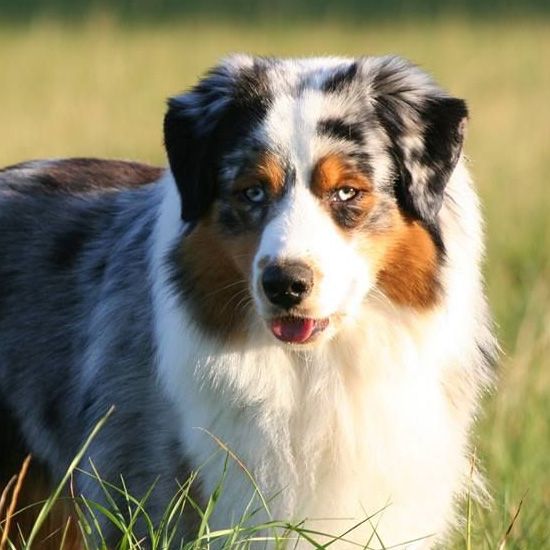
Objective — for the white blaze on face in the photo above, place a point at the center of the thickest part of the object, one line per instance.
(303, 231)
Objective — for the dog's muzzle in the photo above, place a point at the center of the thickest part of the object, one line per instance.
(287, 285)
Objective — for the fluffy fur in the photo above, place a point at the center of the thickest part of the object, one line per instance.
(302, 285)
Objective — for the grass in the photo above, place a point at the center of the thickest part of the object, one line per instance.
(125, 513)
(97, 88)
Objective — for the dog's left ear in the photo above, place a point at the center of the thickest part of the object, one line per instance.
(426, 130)
(199, 124)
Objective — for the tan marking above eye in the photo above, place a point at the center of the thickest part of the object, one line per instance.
(332, 172)
(267, 171)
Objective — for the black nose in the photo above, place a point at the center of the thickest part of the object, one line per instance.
(287, 284)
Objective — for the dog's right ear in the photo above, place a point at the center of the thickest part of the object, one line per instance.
(199, 124)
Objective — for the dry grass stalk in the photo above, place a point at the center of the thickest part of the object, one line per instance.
(14, 497)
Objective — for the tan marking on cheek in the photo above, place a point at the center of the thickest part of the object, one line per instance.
(332, 172)
(241, 250)
(409, 266)
(219, 268)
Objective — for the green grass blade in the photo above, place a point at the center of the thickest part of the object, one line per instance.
(47, 506)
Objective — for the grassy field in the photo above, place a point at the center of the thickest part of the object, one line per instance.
(99, 88)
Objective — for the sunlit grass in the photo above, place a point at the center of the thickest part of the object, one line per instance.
(99, 89)
(127, 515)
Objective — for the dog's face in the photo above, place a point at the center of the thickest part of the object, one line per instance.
(309, 186)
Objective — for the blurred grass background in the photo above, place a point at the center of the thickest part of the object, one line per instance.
(90, 78)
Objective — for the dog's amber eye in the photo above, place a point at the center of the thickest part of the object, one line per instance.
(344, 194)
(255, 194)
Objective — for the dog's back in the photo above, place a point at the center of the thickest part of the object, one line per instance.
(65, 225)
(77, 175)
(58, 237)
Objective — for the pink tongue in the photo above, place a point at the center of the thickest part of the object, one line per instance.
(293, 329)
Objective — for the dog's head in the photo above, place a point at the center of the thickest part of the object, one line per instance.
(309, 185)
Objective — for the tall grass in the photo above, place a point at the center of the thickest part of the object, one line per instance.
(98, 89)
(136, 530)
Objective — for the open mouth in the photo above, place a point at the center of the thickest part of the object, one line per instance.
(297, 330)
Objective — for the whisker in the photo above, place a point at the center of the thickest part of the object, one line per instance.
(226, 287)
(237, 295)
(244, 302)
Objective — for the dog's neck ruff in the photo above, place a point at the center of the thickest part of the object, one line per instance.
(362, 426)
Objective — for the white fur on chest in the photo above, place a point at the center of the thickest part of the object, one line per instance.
(331, 439)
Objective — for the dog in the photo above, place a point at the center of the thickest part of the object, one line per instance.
(293, 309)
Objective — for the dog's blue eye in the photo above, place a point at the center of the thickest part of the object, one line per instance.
(344, 194)
(255, 194)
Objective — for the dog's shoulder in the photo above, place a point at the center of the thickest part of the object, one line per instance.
(77, 175)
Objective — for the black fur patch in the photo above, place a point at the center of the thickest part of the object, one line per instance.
(347, 216)
(51, 413)
(69, 243)
(14, 447)
(209, 121)
(408, 104)
(99, 268)
(235, 221)
(441, 128)
(444, 119)
(340, 80)
(338, 129)
(67, 246)
(393, 125)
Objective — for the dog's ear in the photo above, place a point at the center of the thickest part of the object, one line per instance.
(199, 124)
(426, 131)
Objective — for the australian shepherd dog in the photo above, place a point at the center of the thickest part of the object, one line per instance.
(296, 300)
